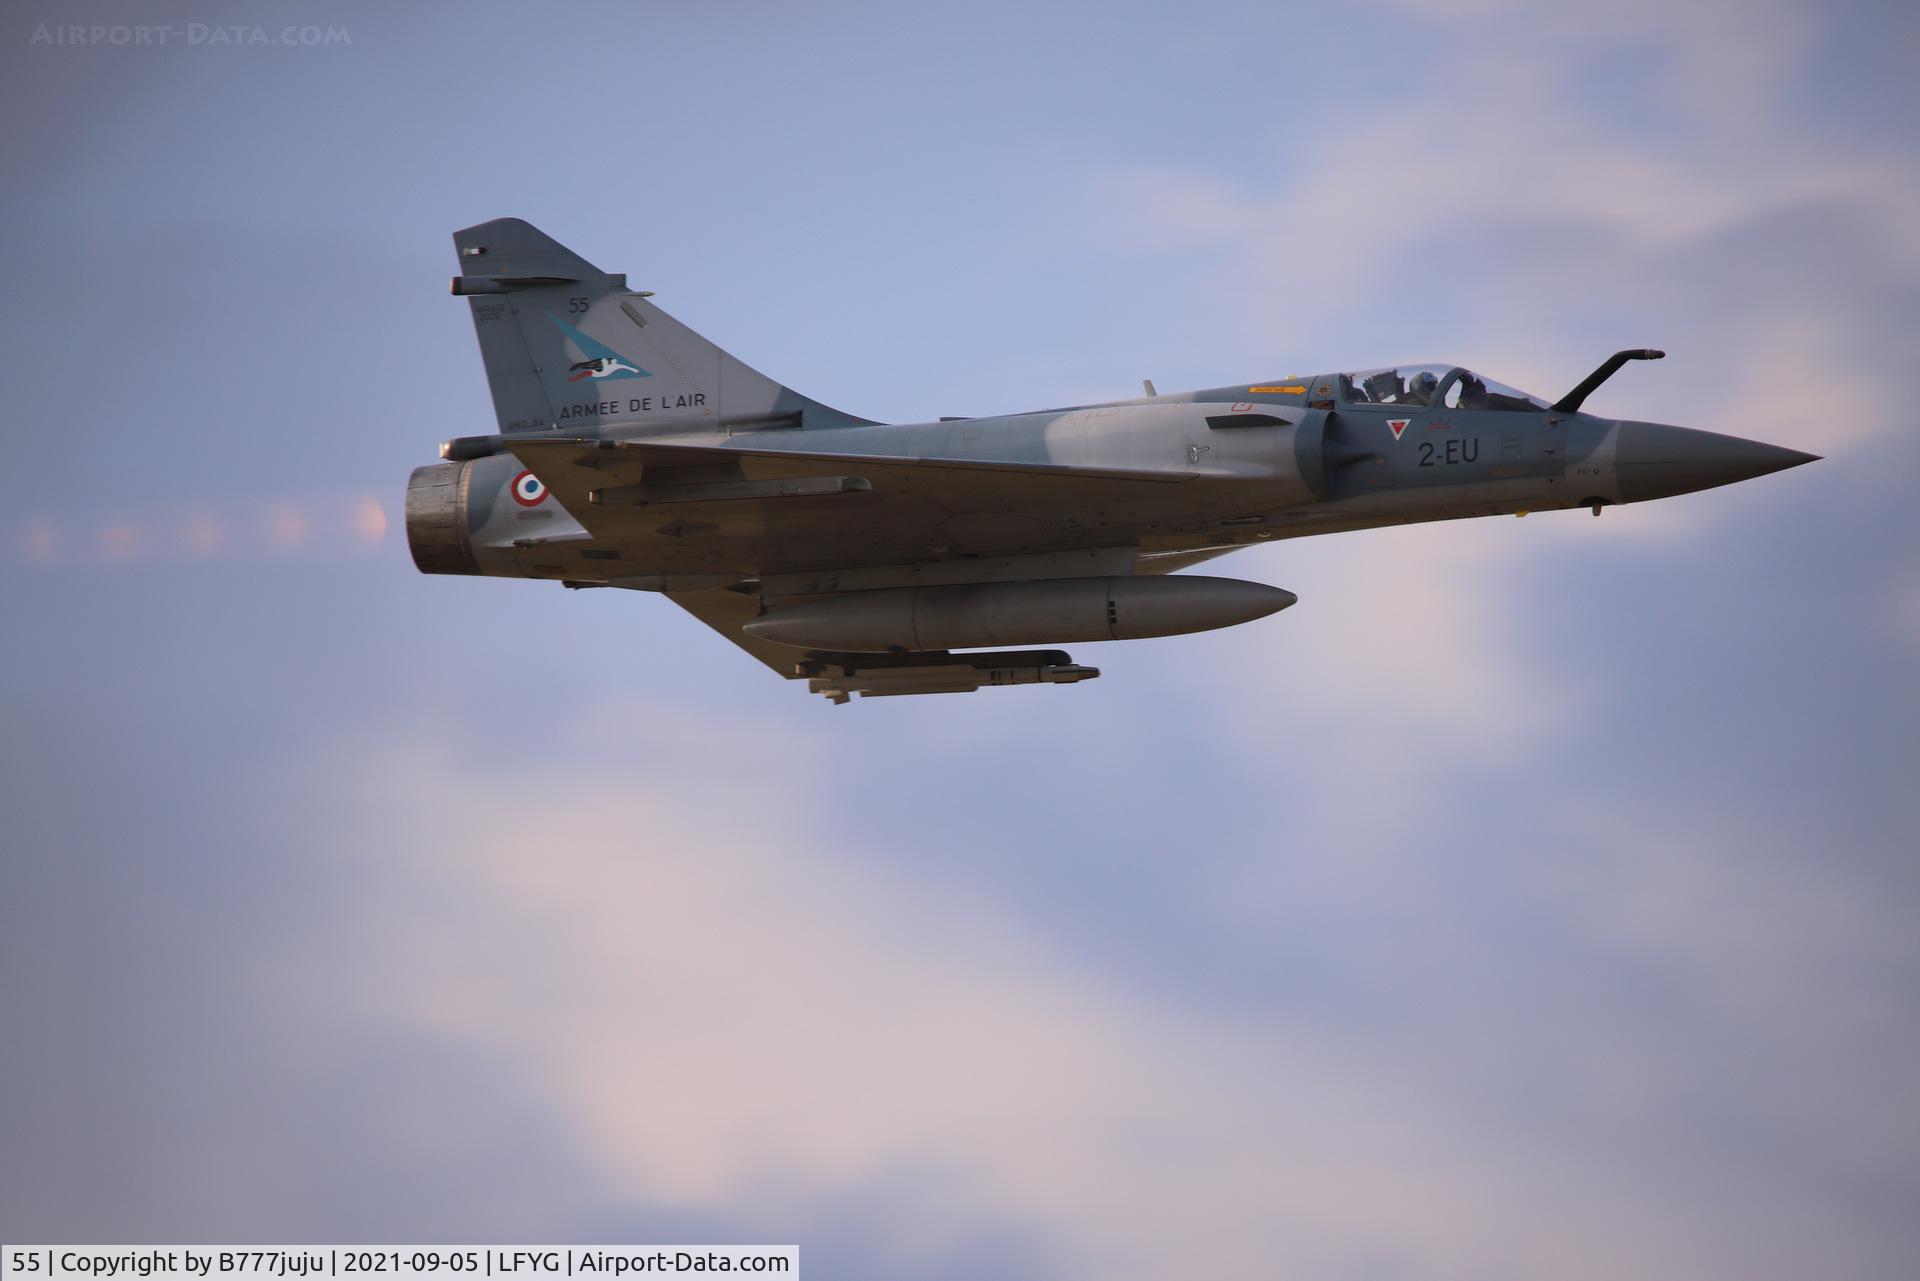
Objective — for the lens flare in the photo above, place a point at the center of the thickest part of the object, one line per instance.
(288, 527)
(214, 529)
(202, 532)
(40, 543)
(119, 541)
(369, 520)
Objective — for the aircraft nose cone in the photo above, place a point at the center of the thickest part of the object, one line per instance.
(1654, 460)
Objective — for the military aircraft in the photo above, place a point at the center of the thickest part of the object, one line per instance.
(919, 558)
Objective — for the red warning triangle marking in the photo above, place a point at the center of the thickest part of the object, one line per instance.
(1399, 425)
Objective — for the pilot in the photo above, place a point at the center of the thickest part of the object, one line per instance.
(1420, 388)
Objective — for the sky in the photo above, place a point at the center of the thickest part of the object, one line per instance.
(1530, 899)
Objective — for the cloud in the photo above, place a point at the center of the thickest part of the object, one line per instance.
(1500, 205)
(735, 1010)
(1411, 627)
(1716, 62)
(730, 1014)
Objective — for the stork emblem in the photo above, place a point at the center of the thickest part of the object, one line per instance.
(591, 358)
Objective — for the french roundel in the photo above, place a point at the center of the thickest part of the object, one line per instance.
(528, 491)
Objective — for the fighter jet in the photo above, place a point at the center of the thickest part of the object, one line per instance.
(942, 557)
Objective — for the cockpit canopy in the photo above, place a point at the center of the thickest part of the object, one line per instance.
(1423, 386)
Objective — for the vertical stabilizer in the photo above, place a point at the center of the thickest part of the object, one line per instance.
(567, 345)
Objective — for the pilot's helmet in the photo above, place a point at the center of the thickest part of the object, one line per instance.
(1423, 384)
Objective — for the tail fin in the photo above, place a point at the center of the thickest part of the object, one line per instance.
(568, 345)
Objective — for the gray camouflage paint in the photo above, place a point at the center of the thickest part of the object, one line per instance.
(1147, 485)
